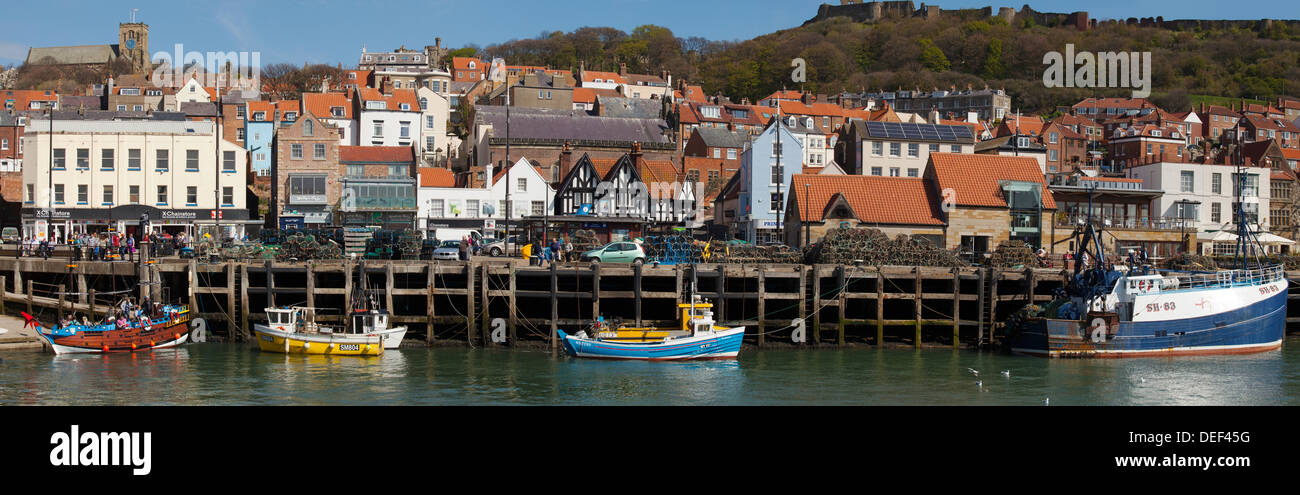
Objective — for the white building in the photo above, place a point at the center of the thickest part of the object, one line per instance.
(435, 110)
(106, 174)
(389, 117)
(1205, 194)
(480, 208)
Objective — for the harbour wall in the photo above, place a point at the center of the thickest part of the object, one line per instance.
(505, 302)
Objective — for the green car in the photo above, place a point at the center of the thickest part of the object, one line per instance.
(616, 252)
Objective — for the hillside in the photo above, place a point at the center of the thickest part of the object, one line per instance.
(1229, 59)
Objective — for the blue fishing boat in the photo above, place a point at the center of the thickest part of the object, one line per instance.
(697, 338)
(1105, 312)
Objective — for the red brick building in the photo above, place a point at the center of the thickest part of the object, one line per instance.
(1147, 144)
(306, 168)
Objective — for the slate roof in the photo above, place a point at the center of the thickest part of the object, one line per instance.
(573, 125)
(721, 138)
(84, 54)
(637, 108)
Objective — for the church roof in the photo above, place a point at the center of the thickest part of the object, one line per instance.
(74, 55)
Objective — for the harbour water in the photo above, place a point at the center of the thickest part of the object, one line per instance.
(229, 374)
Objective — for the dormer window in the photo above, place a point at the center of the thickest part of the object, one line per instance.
(406, 106)
(1156, 133)
(259, 115)
(130, 92)
(472, 65)
(336, 111)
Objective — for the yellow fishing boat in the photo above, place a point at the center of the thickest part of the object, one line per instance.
(294, 330)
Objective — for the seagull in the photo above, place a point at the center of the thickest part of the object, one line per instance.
(1006, 373)
(980, 384)
(1047, 401)
(973, 371)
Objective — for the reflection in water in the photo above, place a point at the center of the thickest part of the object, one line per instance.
(230, 374)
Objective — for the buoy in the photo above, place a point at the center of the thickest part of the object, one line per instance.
(151, 344)
(177, 335)
(105, 348)
(133, 346)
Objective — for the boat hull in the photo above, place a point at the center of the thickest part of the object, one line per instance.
(393, 337)
(718, 345)
(161, 334)
(270, 340)
(1256, 327)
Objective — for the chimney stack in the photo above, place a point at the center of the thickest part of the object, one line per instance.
(566, 161)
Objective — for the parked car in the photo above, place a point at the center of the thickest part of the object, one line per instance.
(447, 250)
(616, 252)
(498, 247)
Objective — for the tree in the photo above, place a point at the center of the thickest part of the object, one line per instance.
(993, 68)
(932, 57)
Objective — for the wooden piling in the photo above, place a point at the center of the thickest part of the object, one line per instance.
(762, 305)
(469, 302)
(29, 297)
(61, 298)
(483, 293)
(432, 273)
(956, 307)
(803, 300)
(514, 312)
(817, 305)
(636, 293)
(595, 290)
(243, 297)
(916, 340)
(880, 307)
(555, 305)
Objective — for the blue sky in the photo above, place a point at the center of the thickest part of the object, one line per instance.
(331, 31)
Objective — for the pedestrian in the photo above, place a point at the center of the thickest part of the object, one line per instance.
(130, 247)
(45, 248)
(464, 248)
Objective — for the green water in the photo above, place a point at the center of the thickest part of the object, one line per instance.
(225, 374)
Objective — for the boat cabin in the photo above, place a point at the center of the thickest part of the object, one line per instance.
(697, 317)
(293, 320)
(367, 321)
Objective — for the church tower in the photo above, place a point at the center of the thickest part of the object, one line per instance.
(133, 44)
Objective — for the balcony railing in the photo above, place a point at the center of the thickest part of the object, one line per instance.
(1120, 222)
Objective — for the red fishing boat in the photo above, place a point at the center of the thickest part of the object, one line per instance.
(168, 328)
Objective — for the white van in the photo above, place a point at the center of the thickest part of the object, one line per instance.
(456, 234)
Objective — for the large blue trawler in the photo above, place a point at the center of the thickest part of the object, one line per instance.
(1108, 313)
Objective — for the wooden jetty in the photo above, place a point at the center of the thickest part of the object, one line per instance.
(499, 301)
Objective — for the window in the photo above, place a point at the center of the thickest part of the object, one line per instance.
(1252, 185)
(428, 122)
(1216, 214)
(133, 194)
(83, 158)
(356, 170)
(106, 159)
(776, 202)
(877, 171)
(956, 148)
(336, 111)
(228, 161)
(717, 152)
(934, 148)
(539, 207)
(160, 160)
(522, 185)
(318, 151)
(191, 160)
(60, 159)
(83, 194)
(1051, 155)
(435, 208)
(31, 193)
(429, 144)
(192, 196)
(398, 171)
(1216, 183)
(894, 171)
(913, 150)
(776, 146)
(912, 172)
(58, 194)
(108, 195)
(731, 153)
(379, 129)
(471, 207)
(133, 159)
(895, 149)
(4, 144)
(308, 128)
(295, 151)
(227, 196)
(239, 134)
(162, 195)
(1187, 181)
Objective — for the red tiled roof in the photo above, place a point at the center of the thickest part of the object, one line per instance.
(266, 107)
(377, 154)
(1291, 153)
(789, 94)
(394, 101)
(588, 95)
(592, 76)
(462, 63)
(875, 200)
(23, 98)
(1131, 103)
(974, 177)
(657, 170)
(437, 177)
(319, 104)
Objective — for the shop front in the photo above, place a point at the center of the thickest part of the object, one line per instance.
(127, 219)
